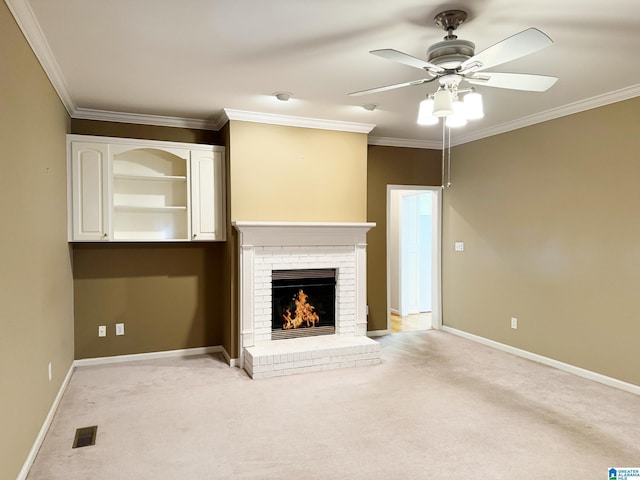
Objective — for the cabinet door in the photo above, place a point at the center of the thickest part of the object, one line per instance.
(207, 196)
(90, 191)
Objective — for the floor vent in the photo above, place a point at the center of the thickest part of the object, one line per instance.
(85, 437)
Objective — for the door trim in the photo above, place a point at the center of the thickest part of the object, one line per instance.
(436, 251)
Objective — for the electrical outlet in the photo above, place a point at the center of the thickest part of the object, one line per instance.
(119, 328)
(514, 323)
(102, 330)
(49, 370)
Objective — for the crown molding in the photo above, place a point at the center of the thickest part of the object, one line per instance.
(230, 114)
(563, 111)
(404, 142)
(290, 121)
(285, 120)
(26, 20)
(139, 118)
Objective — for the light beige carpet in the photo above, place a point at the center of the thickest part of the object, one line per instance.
(439, 406)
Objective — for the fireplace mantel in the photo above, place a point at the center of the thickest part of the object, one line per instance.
(269, 234)
(268, 246)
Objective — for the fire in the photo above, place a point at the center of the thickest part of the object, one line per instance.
(304, 314)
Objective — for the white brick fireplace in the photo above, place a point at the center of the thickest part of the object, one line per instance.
(269, 246)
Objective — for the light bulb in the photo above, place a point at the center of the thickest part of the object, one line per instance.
(458, 118)
(425, 112)
(473, 106)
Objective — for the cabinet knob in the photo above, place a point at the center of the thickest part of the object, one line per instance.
(195, 235)
(105, 235)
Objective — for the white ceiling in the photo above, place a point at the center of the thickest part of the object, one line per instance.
(190, 59)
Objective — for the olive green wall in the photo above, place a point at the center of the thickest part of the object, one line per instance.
(145, 132)
(36, 306)
(169, 296)
(297, 174)
(230, 265)
(549, 217)
(390, 166)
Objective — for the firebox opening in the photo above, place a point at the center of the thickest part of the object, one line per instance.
(303, 303)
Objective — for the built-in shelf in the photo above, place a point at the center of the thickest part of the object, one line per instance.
(165, 178)
(150, 194)
(142, 190)
(142, 208)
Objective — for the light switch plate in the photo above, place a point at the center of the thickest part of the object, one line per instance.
(119, 328)
(459, 246)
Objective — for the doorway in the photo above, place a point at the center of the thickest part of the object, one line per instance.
(413, 257)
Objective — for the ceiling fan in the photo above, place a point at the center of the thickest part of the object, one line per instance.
(454, 60)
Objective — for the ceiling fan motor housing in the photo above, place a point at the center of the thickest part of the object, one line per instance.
(449, 54)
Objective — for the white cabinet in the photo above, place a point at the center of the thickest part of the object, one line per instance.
(140, 190)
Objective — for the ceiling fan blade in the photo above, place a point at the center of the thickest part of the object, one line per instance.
(389, 87)
(513, 81)
(406, 59)
(524, 43)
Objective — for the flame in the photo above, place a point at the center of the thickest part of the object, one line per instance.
(304, 314)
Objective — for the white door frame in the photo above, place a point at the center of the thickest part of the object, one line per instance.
(436, 251)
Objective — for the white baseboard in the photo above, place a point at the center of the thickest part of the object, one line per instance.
(233, 362)
(185, 352)
(581, 372)
(377, 333)
(22, 475)
(395, 311)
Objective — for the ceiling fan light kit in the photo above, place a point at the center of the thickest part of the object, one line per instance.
(446, 103)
